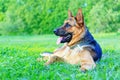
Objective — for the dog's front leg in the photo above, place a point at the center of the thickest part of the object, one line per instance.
(44, 56)
(53, 58)
(86, 61)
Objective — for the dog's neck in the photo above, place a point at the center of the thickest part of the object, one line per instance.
(78, 37)
(86, 40)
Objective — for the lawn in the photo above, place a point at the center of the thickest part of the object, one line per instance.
(18, 56)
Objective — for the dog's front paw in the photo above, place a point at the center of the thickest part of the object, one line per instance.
(84, 68)
(47, 63)
(39, 59)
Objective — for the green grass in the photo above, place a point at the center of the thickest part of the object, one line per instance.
(18, 56)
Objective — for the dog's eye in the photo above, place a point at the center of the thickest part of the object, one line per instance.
(67, 25)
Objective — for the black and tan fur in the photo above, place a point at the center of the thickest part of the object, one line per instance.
(79, 45)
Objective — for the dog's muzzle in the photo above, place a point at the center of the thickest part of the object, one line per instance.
(64, 36)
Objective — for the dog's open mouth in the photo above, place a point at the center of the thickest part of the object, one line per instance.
(63, 39)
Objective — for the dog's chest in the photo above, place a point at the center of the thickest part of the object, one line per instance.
(73, 52)
(71, 56)
(67, 51)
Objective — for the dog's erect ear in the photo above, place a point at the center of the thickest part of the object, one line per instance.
(79, 16)
(70, 13)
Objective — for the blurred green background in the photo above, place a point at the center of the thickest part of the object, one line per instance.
(34, 17)
(23, 21)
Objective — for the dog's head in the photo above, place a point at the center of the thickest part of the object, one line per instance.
(71, 28)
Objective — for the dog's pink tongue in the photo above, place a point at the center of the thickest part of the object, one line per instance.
(59, 40)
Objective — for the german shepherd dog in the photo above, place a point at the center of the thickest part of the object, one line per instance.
(79, 45)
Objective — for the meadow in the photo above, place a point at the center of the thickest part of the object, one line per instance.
(18, 59)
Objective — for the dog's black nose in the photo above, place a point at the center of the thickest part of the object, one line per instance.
(55, 31)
